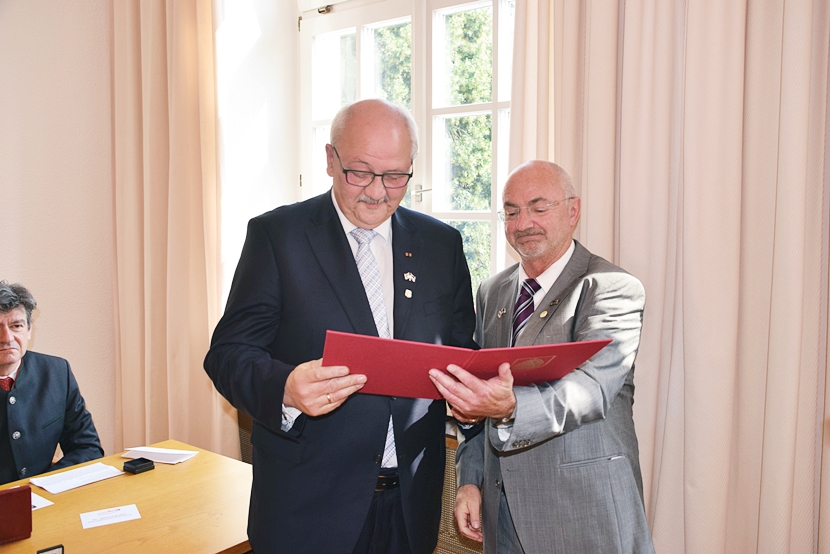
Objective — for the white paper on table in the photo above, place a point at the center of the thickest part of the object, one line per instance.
(74, 478)
(39, 502)
(160, 455)
(109, 516)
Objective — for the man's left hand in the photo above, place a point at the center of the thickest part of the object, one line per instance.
(472, 398)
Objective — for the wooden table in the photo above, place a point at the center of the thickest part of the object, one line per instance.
(200, 505)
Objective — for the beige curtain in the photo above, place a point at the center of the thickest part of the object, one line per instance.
(166, 225)
(697, 134)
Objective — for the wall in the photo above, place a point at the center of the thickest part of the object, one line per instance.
(257, 49)
(56, 184)
(56, 163)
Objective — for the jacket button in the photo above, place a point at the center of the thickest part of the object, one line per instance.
(498, 483)
(12, 400)
(16, 435)
(23, 472)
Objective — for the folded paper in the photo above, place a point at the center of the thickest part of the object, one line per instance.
(401, 368)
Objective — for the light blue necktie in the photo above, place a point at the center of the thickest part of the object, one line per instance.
(370, 275)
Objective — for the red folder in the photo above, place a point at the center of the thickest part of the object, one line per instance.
(16, 510)
(401, 368)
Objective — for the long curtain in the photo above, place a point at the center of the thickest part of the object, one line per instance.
(166, 220)
(697, 135)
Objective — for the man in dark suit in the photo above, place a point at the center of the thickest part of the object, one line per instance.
(555, 465)
(334, 471)
(40, 404)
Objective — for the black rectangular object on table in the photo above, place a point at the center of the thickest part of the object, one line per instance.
(139, 465)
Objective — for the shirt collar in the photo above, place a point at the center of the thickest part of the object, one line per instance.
(384, 229)
(14, 373)
(551, 274)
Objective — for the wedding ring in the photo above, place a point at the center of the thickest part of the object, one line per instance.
(328, 397)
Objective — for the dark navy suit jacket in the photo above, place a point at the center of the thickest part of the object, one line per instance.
(296, 279)
(44, 409)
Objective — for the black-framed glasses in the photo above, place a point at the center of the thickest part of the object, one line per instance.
(511, 213)
(360, 178)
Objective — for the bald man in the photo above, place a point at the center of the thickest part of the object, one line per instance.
(555, 465)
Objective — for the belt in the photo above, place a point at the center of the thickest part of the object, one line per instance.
(387, 482)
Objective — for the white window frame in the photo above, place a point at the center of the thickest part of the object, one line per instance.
(360, 13)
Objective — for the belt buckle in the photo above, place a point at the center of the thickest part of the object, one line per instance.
(387, 482)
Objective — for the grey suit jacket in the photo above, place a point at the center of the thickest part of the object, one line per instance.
(570, 467)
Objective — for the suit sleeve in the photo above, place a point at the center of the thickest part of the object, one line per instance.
(469, 458)
(79, 439)
(239, 360)
(607, 305)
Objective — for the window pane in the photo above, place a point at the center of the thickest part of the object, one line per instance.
(320, 179)
(463, 56)
(462, 161)
(333, 73)
(476, 237)
(407, 199)
(391, 51)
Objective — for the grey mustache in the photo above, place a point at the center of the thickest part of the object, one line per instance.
(370, 200)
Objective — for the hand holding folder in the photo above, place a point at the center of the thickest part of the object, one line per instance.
(401, 368)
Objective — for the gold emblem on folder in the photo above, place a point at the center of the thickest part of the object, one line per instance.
(524, 364)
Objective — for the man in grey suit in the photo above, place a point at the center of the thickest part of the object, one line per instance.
(554, 467)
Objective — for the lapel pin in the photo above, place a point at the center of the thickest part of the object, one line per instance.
(555, 303)
(407, 293)
(501, 312)
(544, 314)
(409, 277)
(408, 254)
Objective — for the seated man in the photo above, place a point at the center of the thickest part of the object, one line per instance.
(40, 404)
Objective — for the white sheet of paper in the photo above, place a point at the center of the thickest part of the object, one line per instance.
(109, 516)
(39, 502)
(74, 478)
(159, 455)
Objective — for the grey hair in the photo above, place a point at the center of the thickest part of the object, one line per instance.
(565, 181)
(16, 295)
(341, 120)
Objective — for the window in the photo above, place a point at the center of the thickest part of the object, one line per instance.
(450, 63)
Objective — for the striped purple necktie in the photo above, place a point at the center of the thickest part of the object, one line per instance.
(524, 306)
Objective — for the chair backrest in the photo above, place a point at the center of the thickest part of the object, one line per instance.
(449, 540)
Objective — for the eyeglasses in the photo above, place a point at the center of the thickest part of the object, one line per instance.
(535, 211)
(365, 178)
